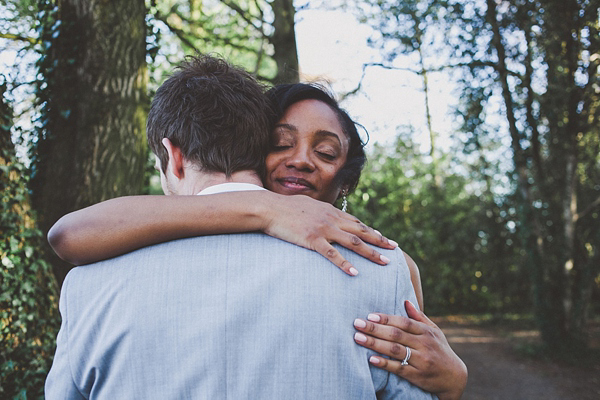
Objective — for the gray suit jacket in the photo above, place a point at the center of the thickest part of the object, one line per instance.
(242, 316)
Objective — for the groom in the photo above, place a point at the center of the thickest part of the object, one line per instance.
(241, 316)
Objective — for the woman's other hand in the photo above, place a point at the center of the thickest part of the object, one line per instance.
(433, 365)
(315, 225)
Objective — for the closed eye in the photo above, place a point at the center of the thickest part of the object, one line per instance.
(326, 156)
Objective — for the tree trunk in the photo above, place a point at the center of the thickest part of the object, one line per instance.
(284, 42)
(6, 144)
(549, 313)
(418, 38)
(561, 272)
(28, 304)
(564, 21)
(92, 143)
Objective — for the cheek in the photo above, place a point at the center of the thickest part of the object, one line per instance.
(330, 190)
(331, 173)
(276, 160)
(271, 163)
(330, 194)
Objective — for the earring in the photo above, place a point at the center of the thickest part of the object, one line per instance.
(344, 200)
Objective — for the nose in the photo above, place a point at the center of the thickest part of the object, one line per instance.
(300, 159)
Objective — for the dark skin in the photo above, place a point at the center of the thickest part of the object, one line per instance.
(310, 148)
(446, 374)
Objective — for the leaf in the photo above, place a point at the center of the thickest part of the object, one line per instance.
(7, 262)
(29, 251)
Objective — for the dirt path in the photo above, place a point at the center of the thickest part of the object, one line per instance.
(498, 372)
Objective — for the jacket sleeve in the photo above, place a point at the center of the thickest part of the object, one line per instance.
(59, 382)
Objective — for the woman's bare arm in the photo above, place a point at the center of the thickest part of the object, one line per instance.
(123, 224)
(415, 278)
(120, 225)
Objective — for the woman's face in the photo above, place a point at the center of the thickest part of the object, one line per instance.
(309, 150)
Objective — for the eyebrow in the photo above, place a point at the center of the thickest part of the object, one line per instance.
(321, 133)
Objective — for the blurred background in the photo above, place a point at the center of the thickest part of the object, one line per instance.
(484, 143)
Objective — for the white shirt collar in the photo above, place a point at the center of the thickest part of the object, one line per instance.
(230, 187)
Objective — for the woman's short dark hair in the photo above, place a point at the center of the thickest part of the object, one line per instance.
(283, 96)
(217, 114)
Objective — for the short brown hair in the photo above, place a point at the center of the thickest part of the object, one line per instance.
(217, 114)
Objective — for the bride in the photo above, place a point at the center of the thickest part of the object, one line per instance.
(316, 158)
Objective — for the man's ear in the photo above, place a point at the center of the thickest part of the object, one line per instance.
(176, 160)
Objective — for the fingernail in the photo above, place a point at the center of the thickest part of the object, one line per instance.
(407, 302)
(374, 360)
(393, 243)
(374, 317)
(376, 231)
(359, 337)
(353, 271)
(359, 323)
(384, 259)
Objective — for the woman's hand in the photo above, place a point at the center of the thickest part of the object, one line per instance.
(315, 225)
(433, 365)
(120, 225)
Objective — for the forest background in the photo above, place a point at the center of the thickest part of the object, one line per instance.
(502, 219)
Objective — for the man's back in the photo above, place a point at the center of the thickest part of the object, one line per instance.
(224, 317)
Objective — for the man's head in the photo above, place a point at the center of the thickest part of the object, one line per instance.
(215, 114)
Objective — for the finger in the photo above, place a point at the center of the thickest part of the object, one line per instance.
(387, 333)
(354, 243)
(393, 243)
(407, 372)
(373, 236)
(366, 233)
(325, 248)
(398, 321)
(390, 349)
(417, 315)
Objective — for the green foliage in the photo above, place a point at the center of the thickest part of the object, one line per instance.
(457, 233)
(527, 73)
(238, 30)
(28, 291)
(91, 90)
(17, 19)
(48, 27)
(152, 177)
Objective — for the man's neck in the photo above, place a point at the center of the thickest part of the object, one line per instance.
(199, 181)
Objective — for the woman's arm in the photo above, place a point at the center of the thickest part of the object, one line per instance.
(415, 278)
(120, 225)
(433, 365)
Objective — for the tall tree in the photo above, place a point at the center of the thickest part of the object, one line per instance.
(28, 295)
(257, 34)
(283, 38)
(454, 229)
(91, 144)
(406, 27)
(539, 59)
(550, 151)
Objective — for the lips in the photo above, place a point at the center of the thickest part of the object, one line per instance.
(294, 183)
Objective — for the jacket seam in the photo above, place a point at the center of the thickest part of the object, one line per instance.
(66, 294)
